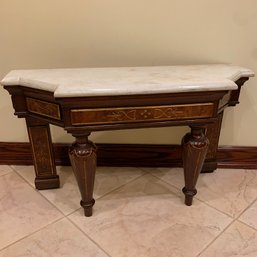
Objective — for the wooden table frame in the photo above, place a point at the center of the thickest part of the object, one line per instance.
(80, 116)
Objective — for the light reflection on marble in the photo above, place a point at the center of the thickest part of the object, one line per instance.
(129, 80)
(22, 209)
(228, 190)
(67, 197)
(237, 241)
(146, 217)
(61, 239)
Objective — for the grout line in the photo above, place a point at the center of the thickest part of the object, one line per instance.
(65, 215)
(119, 187)
(91, 239)
(213, 207)
(8, 172)
(245, 224)
(52, 203)
(74, 212)
(233, 221)
(34, 232)
(238, 218)
(222, 212)
(195, 197)
(170, 185)
(132, 180)
(179, 195)
(165, 180)
(39, 192)
(215, 238)
(5, 174)
(248, 207)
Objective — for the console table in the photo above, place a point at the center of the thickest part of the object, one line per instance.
(97, 99)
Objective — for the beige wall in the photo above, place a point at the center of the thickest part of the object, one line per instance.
(94, 33)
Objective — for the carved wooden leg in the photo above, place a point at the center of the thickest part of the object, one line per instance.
(83, 160)
(195, 145)
(213, 134)
(43, 156)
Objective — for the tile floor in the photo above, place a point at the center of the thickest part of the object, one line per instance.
(139, 212)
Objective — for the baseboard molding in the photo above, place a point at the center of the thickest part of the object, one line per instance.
(133, 155)
(238, 157)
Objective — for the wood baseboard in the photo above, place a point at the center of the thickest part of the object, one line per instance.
(133, 155)
(238, 157)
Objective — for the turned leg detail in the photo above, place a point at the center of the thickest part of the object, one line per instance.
(82, 155)
(43, 155)
(195, 146)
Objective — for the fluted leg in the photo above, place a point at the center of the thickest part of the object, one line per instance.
(195, 146)
(83, 160)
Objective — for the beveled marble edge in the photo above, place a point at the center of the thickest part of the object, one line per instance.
(148, 89)
(18, 81)
(64, 86)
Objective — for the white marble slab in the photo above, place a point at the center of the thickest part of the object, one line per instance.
(129, 80)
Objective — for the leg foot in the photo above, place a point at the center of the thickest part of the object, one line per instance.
(189, 194)
(195, 145)
(88, 207)
(209, 166)
(83, 160)
(47, 183)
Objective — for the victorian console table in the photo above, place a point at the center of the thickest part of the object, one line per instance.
(97, 99)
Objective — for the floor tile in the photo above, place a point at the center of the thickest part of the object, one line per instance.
(173, 176)
(250, 216)
(237, 241)
(146, 217)
(228, 190)
(4, 169)
(61, 239)
(27, 172)
(22, 209)
(67, 198)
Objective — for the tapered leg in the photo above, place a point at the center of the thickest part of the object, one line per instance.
(43, 156)
(83, 160)
(213, 134)
(195, 145)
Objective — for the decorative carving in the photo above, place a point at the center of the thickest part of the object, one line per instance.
(83, 160)
(167, 113)
(43, 108)
(122, 115)
(40, 139)
(137, 114)
(41, 152)
(195, 145)
(213, 134)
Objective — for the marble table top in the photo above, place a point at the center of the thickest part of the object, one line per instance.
(129, 80)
